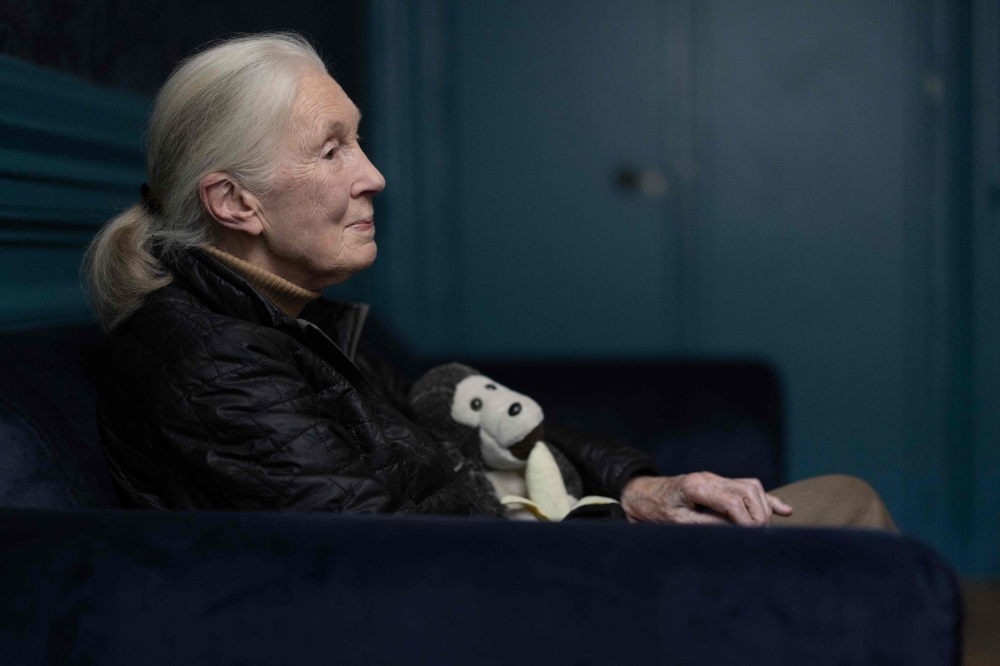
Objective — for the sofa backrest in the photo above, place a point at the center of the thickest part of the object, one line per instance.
(50, 449)
(720, 415)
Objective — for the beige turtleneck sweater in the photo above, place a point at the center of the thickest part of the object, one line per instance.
(291, 298)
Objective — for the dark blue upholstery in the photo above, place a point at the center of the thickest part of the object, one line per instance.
(131, 587)
(137, 587)
(50, 449)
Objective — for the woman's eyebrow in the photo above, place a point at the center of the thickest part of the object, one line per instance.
(340, 128)
(337, 128)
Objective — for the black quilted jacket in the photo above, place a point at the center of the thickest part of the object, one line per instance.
(217, 399)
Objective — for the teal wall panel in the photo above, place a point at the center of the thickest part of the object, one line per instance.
(827, 212)
(71, 157)
(985, 464)
(834, 230)
(415, 285)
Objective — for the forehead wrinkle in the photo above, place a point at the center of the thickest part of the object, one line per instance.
(322, 110)
(342, 129)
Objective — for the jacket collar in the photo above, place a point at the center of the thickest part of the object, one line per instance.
(223, 291)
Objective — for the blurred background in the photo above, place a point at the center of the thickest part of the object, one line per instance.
(809, 184)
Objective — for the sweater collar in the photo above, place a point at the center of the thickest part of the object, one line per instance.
(289, 297)
(225, 291)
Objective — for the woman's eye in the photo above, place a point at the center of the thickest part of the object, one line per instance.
(329, 154)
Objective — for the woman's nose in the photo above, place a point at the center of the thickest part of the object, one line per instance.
(515, 409)
(370, 181)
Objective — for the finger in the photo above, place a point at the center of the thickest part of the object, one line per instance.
(689, 517)
(767, 505)
(739, 511)
(763, 500)
(759, 487)
(753, 497)
(736, 507)
(757, 507)
(722, 499)
(779, 507)
(756, 500)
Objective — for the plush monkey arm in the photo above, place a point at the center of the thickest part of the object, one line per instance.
(605, 464)
(571, 476)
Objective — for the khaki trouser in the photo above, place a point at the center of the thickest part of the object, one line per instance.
(834, 500)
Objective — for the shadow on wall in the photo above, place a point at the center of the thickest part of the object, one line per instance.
(134, 44)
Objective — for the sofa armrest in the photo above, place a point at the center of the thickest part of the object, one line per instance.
(188, 588)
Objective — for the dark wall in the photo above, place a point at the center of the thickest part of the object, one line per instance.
(134, 44)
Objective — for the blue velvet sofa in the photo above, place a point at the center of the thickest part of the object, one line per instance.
(83, 581)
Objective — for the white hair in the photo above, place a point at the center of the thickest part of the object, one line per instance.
(222, 110)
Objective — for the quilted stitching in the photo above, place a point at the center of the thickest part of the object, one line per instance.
(248, 412)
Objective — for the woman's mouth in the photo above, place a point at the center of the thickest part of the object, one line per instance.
(362, 225)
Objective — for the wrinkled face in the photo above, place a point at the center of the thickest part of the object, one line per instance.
(509, 423)
(318, 217)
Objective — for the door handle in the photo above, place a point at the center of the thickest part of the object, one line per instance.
(649, 182)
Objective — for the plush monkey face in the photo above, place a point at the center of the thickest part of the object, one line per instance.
(509, 422)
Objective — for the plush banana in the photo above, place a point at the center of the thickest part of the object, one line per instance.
(547, 497)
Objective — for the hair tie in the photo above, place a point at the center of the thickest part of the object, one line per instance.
(151, 203)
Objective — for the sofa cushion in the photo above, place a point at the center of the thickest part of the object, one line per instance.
(50, 450)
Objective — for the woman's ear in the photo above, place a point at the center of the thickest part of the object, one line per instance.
(230, 204)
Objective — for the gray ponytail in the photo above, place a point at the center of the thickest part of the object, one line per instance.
(222, 110)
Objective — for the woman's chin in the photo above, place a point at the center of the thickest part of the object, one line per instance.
(366, 254)
(361, 258)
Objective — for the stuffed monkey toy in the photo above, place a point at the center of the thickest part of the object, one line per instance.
(496, 436)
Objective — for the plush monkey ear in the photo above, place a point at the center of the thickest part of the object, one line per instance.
(432, 394)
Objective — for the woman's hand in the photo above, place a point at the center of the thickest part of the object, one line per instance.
(702, 498)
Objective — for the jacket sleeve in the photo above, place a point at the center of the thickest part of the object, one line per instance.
(254, 429)
(605, 464)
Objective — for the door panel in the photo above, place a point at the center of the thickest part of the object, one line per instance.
(556, 259)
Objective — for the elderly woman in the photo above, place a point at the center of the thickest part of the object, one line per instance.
(236, 385)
